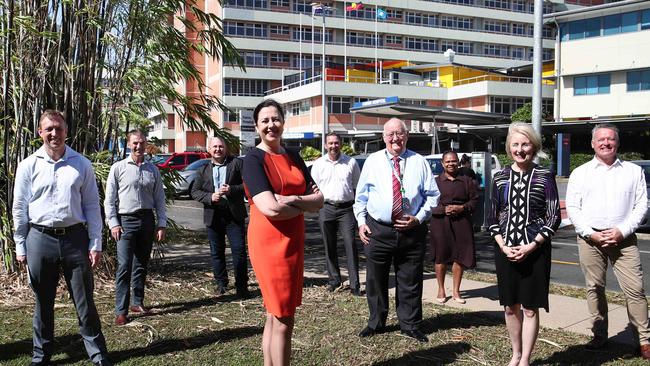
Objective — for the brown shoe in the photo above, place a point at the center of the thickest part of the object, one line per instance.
(121, 320)
(138, 309)
(645, 351)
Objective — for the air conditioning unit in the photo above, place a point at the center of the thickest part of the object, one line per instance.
(415, 126)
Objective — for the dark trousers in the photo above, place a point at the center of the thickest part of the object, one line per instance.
(332, 220)
(224, 225)
(405, 251)
(133, 252)
(45, 254)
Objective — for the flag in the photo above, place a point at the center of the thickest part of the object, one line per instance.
(381, 14)
(317, 10)
(354, 6)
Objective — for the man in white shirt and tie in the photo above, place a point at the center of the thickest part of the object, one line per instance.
(336, 175)
(606, 200)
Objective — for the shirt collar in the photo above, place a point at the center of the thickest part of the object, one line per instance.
(341, 158)
(402, 156)
(598, 164)
(68, 154)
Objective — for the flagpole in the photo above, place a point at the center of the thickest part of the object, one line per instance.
(376, 40)
(345, 41)
(312, 45)
(300, 47)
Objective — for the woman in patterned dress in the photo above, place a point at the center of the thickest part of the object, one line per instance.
(279, 190)
(524, 216)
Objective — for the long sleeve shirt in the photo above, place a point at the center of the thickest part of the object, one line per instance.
(338, 179)
(375, 187)
(602, 197)
(130, 188)
(56, 194)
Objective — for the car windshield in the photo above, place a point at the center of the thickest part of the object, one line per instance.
(160, 158)
(197, 164)
(646, 170)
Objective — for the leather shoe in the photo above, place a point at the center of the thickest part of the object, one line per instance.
(356, 292)
(332, 288)
(121, 320)
(103, 362)
(221, 290)
(415, 334)
(243, 293)
(138, 309)
(369, 332)
(597, 342)
(645, 351)
(44, 362)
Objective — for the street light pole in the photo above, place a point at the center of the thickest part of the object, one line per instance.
(323, 95)
(537, 67)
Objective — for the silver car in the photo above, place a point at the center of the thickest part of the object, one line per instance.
(645, 164)
(184, 186)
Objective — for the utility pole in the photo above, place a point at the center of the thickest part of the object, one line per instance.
(537, 67)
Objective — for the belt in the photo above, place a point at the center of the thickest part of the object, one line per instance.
(139, 213)
(340, 204)
(58, 231)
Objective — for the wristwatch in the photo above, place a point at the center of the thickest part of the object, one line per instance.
(587, 238)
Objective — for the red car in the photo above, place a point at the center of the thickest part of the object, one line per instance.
(178, 161)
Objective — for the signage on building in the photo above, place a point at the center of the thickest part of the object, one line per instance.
(381, 101)
(297, 135)
(246, 130)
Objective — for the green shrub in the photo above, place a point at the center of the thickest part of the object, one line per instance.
(347, 150)
(309, 153)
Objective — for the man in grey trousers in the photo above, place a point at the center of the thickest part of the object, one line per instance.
(58, 223)
(134, 190)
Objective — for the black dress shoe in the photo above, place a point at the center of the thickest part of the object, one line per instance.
(369, 332)
(332, 288)
(243, 293)
(597, 342)
(416, 334)
(103, 362)
(221, 290)
(356, 292)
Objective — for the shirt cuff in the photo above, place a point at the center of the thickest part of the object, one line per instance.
(113, 222)
(421, 216)
(587, 231)
(361, 221)
(20, 249)
(95, 244)
(162, 223)
(625, 231)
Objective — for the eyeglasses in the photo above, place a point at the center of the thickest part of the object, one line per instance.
(400, 134)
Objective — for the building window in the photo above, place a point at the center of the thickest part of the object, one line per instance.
(638, 80)
(519, 6)
(302, 6)
(280, 3)
(645, 19)
(298, 108)
(430, 75)
(629, 22)
(424, 44)
(460, 47)
(592, 84)
(393, 39)
(280, 57)
(592, 27)
(456, 22)
(307, 35)
(367, 39)
(518, 53)
(519, 29)
(245, 87)
(394, 14)
(421, 19)
(279, 30)
(364, 13)
(548, 54)
(496, 27)
(338, 105)
(508, 105)
(261, 4)
(497, 4)
(495, 50)
(245, 29)
(611, 24)
(255, 58)
(460, 2)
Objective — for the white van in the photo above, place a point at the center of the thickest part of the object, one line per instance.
(435, 161)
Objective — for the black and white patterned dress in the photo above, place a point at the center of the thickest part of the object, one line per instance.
(524, 204)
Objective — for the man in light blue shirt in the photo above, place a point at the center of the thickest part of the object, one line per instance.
(57, 224)
(395, 195)
(134, 190)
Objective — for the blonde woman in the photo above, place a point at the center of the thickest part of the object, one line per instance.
(524, 216)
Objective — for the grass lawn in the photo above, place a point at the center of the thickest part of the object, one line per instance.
(190, 326)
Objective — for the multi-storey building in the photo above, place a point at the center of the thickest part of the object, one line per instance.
(281, 43)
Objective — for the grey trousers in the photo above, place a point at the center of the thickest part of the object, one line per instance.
(626, 264)
(332, 220)
(45, 254)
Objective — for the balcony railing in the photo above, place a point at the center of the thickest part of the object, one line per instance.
(505, 79)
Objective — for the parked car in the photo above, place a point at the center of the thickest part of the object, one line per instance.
(645, 164)
(159, 158)
(184, 186)
(179, 161)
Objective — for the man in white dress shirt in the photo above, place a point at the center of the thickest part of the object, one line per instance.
(606, 200)
(58, 225)
(336, 175)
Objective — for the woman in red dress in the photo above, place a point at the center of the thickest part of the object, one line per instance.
(279, 190)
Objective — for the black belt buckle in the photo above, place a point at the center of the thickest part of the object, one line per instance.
(59, 231)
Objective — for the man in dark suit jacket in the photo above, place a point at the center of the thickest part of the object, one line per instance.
(220, 188)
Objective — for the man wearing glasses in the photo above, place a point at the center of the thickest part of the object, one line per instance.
(394, 230)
